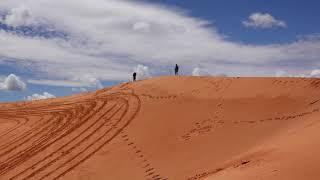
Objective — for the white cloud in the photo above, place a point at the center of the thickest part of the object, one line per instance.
(263, 20)
(54, 82)
(142, 72)
(196, 72)
(84, 81)
(36, 96)
(141, 26)
(315, 73)
(91, 81)
(282, 73)
(12, 83)
(18, 17)
(106, 38)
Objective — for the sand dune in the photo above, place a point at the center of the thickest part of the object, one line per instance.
(168, 128)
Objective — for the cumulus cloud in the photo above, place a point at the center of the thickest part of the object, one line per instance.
(12, 83)
(196, 72)
(263, 20)
(142, 72)
(91, 81)
(36, 96)
(106, 38)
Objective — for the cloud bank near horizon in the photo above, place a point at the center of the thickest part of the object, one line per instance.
(44, 95)
(105, 39)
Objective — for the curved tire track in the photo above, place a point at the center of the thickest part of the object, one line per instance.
(66, 134)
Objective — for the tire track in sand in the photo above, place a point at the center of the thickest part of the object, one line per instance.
(65, 137)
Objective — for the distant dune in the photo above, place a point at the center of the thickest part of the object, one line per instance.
(177, 128)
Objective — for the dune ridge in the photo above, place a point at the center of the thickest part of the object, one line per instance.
(168, 128)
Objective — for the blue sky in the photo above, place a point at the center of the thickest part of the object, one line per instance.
(66, 47)
(301, 17)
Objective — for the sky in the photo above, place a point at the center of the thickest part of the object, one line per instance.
(53, 48)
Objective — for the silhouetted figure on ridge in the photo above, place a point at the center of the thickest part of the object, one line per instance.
(176, 70)
(134, 76)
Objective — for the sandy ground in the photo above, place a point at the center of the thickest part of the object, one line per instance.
(168, 128)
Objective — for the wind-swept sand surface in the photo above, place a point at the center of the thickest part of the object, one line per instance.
(168, 128)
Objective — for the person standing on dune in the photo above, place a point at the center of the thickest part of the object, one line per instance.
(134, 76)
(176, 70)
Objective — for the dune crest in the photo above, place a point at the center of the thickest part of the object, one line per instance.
(168, 128)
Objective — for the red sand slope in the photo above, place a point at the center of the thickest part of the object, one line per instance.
(168, 128)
